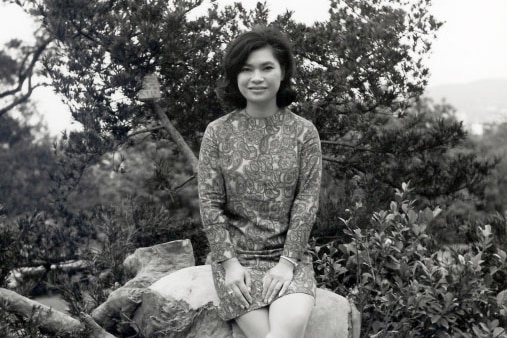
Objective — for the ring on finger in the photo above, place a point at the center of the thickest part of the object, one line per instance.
(230, 292)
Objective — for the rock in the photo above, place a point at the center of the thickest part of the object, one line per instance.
(151, 263)
(147, 265)
(183, 304)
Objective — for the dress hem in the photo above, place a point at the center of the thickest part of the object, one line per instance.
(257, 307)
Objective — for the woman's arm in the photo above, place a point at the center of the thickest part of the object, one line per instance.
(212, 198)
(306, 202)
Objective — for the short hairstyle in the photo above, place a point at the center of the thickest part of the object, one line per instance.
(237, 54)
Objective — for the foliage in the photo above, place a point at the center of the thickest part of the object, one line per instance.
(26, 162)
(494, 144)
(8, 250)
(359, 73)
(405, 285)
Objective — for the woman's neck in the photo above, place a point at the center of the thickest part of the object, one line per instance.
(259, 111)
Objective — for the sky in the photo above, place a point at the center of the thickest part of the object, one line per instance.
(470, 46)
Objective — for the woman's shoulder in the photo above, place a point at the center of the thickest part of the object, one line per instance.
(304, 123)
(222, 120)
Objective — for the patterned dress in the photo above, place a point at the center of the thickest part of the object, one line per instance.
(259, 183)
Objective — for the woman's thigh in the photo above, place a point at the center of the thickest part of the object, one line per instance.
(254, 324)
(289, 315)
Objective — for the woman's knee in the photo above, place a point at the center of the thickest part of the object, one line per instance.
(289, 317)
(254, 324)
(296, 316)
(293, 326)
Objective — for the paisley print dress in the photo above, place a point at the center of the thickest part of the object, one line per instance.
(259, 182)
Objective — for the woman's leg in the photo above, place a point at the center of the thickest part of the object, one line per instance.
(254, 324)
(289, 315)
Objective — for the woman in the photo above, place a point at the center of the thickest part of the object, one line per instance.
(259, 180)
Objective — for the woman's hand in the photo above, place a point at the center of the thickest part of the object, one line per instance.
(237, 281)
(277, 280)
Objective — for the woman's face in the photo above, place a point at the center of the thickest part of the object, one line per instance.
(260, 77)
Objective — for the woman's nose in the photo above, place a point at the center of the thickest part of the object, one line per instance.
(257, 76)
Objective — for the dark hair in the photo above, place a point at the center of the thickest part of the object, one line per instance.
(237, 54)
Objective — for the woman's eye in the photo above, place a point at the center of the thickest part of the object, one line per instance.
(245, 69)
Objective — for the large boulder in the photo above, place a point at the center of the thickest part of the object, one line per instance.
(184, 304)
(146, 265)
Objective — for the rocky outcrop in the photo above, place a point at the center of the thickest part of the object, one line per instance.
(183, 304)
(147, 265)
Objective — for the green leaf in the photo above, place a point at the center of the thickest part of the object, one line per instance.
(427, 215)
(436, 211)
(392, 263)
(416, 229)
(435, 318)
(501, 298)
(412, 216)
(498, 331)
(502, 255)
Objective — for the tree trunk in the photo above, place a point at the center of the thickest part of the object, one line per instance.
(50, 319)
(175, 135)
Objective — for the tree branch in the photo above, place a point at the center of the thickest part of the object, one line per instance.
(28, 72)
(181, 185)
(148, 130)
(175, 135)
(21, 99)
(331, 159)
(50, 319)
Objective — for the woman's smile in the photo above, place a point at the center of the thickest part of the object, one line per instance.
(258, 89)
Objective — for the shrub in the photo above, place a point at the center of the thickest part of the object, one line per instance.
(406, 286)
(9, 248)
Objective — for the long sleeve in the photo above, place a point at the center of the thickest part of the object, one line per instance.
(212, 198)
(306, 202)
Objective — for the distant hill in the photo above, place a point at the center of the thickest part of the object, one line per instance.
(478, 102)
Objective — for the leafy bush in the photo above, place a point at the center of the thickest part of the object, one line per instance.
(406, 286)
(8, 248)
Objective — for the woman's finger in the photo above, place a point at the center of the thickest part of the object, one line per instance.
(238, 295)
(271, 290)
(245, 297)
(276, 290)
(266, 281)
(284, 288)
(248, 282)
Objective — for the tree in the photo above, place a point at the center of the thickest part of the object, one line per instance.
(493, 144)
(18, 70)
(26, 163)
(359, 73)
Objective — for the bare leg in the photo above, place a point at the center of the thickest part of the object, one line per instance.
(289, 315)
(254, 324)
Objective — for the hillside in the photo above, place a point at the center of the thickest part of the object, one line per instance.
(478, 102)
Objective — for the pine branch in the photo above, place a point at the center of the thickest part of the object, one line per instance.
(25, 74)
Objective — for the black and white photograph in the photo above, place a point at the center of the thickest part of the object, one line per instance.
(253, 169)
